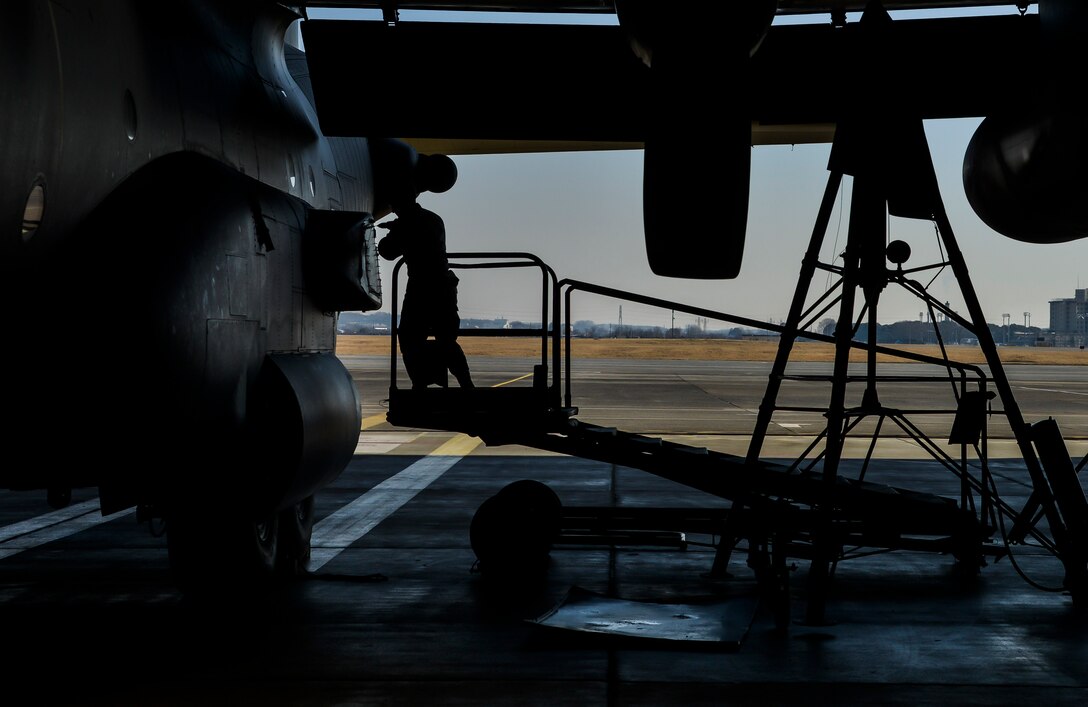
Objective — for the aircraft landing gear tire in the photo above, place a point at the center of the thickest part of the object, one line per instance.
(296, 527)
(221, 554)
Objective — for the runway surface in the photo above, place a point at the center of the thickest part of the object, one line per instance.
(393, 612)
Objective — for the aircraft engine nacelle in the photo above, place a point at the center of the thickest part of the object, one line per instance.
(694, 201)
(1024, 176)
(1023, 170)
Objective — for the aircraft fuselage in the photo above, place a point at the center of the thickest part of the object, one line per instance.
(162, 170)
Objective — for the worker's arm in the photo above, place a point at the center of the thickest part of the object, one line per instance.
(392, 245)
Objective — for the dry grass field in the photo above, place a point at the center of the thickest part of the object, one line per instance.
(708, 350)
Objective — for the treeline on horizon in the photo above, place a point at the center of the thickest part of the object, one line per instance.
(903, 332)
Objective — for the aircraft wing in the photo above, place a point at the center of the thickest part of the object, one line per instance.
(609, 6)
(697, 88)
(463, 88)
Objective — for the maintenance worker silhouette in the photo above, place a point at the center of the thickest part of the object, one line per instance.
(430, 297)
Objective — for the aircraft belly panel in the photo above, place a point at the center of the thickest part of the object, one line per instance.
(280, 298)
(298, 298)
(295, 256)
(317, 330)
(260, 266)
(239, 284)
(232, 359)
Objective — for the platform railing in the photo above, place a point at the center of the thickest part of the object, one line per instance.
(497, 260)
(570, 286)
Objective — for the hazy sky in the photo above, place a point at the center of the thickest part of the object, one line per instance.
(582, 213)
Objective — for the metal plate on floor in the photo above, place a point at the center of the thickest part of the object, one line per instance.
(720, 625)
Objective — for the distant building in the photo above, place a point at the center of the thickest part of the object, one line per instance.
(1067, 316)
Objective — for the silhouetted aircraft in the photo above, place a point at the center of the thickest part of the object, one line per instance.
(188, 201)
(179, 237)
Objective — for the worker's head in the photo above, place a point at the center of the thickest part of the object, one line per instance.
(435, 173)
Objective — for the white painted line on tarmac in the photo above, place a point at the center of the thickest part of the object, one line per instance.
(383, 442)
(1050, 390)
(43, 521)
(32, 533)
(671, 411)
(375, 447)
(337, 532)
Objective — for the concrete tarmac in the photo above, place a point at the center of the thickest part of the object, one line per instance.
(395, 614)
(717, 401)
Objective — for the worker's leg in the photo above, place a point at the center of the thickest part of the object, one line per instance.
(412, 335)
(458, 364)
(449, 323)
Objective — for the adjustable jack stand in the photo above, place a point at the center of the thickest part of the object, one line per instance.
(903, 183)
